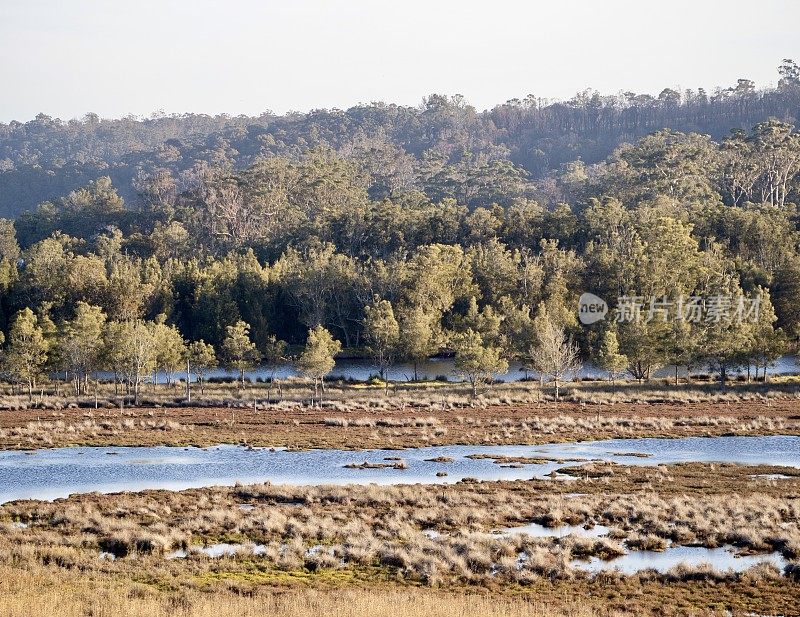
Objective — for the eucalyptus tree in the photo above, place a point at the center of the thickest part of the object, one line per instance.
(554, 353)
(476, 360)
(238, 351)
(26, 353)
(80, 344)
(382, 333)
(200, 358)
(317, 359)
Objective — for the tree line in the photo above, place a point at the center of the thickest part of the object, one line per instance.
(469, 258)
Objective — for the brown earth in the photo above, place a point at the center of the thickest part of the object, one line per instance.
(306, 427)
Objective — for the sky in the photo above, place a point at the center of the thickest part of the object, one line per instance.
(118, 57)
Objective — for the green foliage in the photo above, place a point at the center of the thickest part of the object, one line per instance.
(382, 333)
(317, 359)
(27, 349)
(170, 348)
(238, 351)
(200, 357)
(476, 360)
(458, 221)
(608, 356)
(79, 344)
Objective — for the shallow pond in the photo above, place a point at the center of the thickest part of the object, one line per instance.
(50, 474)
(723, 559)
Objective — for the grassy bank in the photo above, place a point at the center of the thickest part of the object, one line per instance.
(43, 591)
(431, 538)
(351, 426)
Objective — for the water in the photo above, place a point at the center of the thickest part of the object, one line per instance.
(56, 473)
(224, 549)
(362, 370)
(723, 559)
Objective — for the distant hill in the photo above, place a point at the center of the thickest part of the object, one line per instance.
(46, 158)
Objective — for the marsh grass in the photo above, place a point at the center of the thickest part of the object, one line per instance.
(345, 538)
(43, 592)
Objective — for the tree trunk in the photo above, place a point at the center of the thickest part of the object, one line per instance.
(676, 374)
(188, 383)
(415, 371)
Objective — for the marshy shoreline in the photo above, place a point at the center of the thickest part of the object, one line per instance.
(354, 419)
(411, 549)
(440, 538)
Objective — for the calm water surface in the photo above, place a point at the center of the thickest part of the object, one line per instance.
(55, 473)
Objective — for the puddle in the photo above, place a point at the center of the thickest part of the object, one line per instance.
(215, 551)
(722, 559)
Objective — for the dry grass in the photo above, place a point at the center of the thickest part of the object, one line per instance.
(293, 425)
(347, 396)
(346, 538)
(42, 592)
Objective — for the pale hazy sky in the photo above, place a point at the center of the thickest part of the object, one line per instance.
(115, 57)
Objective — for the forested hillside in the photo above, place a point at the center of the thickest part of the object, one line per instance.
(46, 158)
(406, 232)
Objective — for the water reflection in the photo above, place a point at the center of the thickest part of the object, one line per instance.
(723, 559)
(56, 473)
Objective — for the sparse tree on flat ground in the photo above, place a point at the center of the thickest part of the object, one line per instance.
(141, 353)
(418, 339)
(274, 356)
(238, 351)
(317, 359)
(555, 354)
(383, 336)
(609, 358)
(27, 349)
(476, 360)
(170, 349)
(642, 343)
(769, 343)
(130, 351)
(680, 346)
(80, 344)
(200, 358)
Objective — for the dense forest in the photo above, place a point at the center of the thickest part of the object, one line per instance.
(404, 232)
(47, 158)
